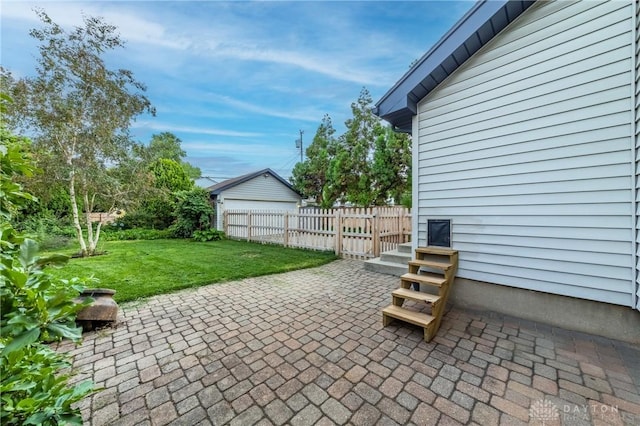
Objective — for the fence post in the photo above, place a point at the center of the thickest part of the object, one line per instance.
(225, 222)
(338, 232)
(375, 234)
(249, 225)
(285, 240)
(401, 226)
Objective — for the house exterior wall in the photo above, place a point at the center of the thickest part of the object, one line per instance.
(263, 192)
(636, 51)
(528, 148)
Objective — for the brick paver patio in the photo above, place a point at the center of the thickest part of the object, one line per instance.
(308, 347)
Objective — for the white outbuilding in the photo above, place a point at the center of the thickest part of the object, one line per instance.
(261, 190)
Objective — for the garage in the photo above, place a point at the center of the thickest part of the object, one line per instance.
(261, 190)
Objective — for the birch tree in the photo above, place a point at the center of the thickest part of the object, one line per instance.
(79, 111)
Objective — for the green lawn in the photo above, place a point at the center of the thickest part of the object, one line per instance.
(142, 268)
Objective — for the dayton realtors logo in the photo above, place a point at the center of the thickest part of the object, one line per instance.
(545, 412)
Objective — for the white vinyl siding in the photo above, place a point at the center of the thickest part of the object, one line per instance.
(527, 147)
(263, 192)
(637, 136)
(262, 188)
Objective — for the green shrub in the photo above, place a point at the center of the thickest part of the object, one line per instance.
(156, 212)
(50, 231)
(35, 392)
(193, 212)
(35, 308)
(208, 235)
(136, 234)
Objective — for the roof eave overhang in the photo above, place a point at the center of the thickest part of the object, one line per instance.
(475, 29)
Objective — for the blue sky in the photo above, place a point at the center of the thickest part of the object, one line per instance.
(236, 81)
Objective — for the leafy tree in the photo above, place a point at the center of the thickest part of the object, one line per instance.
(310, 176)
(391, 166)
(13, 99)
(158, 205)
(169, 175)
(192, 171)
(367, 165)
(80, 111)
(166, 145)
(16, 160)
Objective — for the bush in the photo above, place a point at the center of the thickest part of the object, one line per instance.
(136, 234)
(193, 213)
(35, 309)
(48, 229)
(208, 235)
(156, 212)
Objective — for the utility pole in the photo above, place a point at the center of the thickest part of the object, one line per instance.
(299, 145)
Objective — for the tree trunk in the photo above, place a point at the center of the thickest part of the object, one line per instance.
(74, 211)
(94, 245)
(87, 212)
(92, 238)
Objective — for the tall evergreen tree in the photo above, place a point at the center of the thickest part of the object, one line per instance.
(310, 176)
(368, 165)
(391, 166)
(350, 171)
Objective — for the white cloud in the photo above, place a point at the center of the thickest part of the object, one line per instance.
(312, 116)
(225, 37)
(131, 27)
(165, 127)
(256, 150)
(330, 66)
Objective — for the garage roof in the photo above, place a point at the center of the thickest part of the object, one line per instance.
(475, 29)
(230, 183)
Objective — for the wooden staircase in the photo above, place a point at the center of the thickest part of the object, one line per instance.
(435, 267)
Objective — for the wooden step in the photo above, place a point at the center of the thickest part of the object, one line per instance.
(443, 266)
(406, 315)
(429, 279)
(444, 251)
(417, 296)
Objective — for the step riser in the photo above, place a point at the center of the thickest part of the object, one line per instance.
(395, 270)
(396, 257)
(421, 320)
(405, 248)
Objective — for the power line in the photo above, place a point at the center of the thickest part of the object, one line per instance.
(289, 162)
